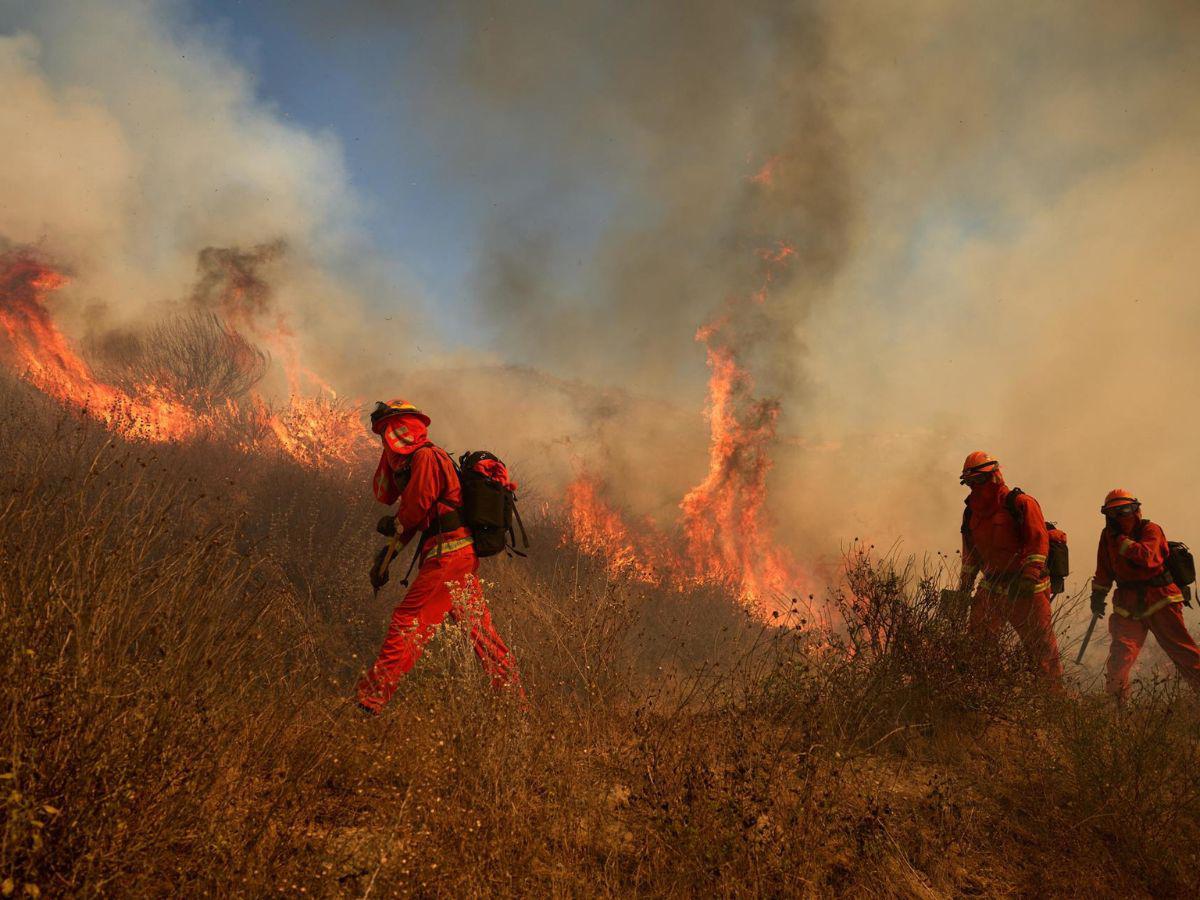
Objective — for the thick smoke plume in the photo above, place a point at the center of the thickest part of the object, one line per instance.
(647, 171)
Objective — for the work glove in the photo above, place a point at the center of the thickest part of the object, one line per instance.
(387, 526)
(1098, 603)
(379, 575)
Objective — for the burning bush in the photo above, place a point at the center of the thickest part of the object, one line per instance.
(187, 378)
(194, 355)
(914, 661)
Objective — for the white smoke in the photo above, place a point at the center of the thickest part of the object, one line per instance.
(133, 140)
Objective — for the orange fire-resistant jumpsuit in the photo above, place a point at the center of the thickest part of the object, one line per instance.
(446, 580)
(1135, 559)
(1015, 587)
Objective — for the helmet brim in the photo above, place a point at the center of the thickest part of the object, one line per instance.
(377, 425)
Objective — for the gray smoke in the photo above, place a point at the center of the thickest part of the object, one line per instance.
(652, 120)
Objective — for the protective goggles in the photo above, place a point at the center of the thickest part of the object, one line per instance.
(1127, 509)
(977, 474)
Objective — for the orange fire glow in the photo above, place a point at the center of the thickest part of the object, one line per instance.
(317, 433)
(599, 530)
(765, 176)
(320, 433)
(46, 359)
(725, 538)
(724, 516)
(725, 535)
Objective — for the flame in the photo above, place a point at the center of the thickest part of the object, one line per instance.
(774, 260)
(765, 176)
(46, 359)
(723, 537)
(317, 433)
(320, 433)
(724, 516)
(724, 532)
(597, 529)
(232, 285)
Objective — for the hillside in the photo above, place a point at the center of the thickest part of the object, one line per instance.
(183, 625)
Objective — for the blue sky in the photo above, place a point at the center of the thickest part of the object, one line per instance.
(415, 213)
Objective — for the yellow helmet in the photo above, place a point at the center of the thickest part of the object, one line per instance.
(385, 410)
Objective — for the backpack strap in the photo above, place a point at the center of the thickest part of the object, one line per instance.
(447, 521)
(1010, 503)
(513, 535)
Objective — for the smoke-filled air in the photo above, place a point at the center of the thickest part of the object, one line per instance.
(729, 290)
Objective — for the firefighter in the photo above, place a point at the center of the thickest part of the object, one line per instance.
(421, 475)
(1004, 537)
(1133, 553)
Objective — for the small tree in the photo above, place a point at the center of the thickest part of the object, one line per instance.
(194, 355)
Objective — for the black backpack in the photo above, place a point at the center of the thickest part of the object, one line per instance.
(1058, 558)
(1180, 564)
(1182, 567)
(489, 507)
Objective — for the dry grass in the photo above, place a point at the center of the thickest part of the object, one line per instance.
(182, 627)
